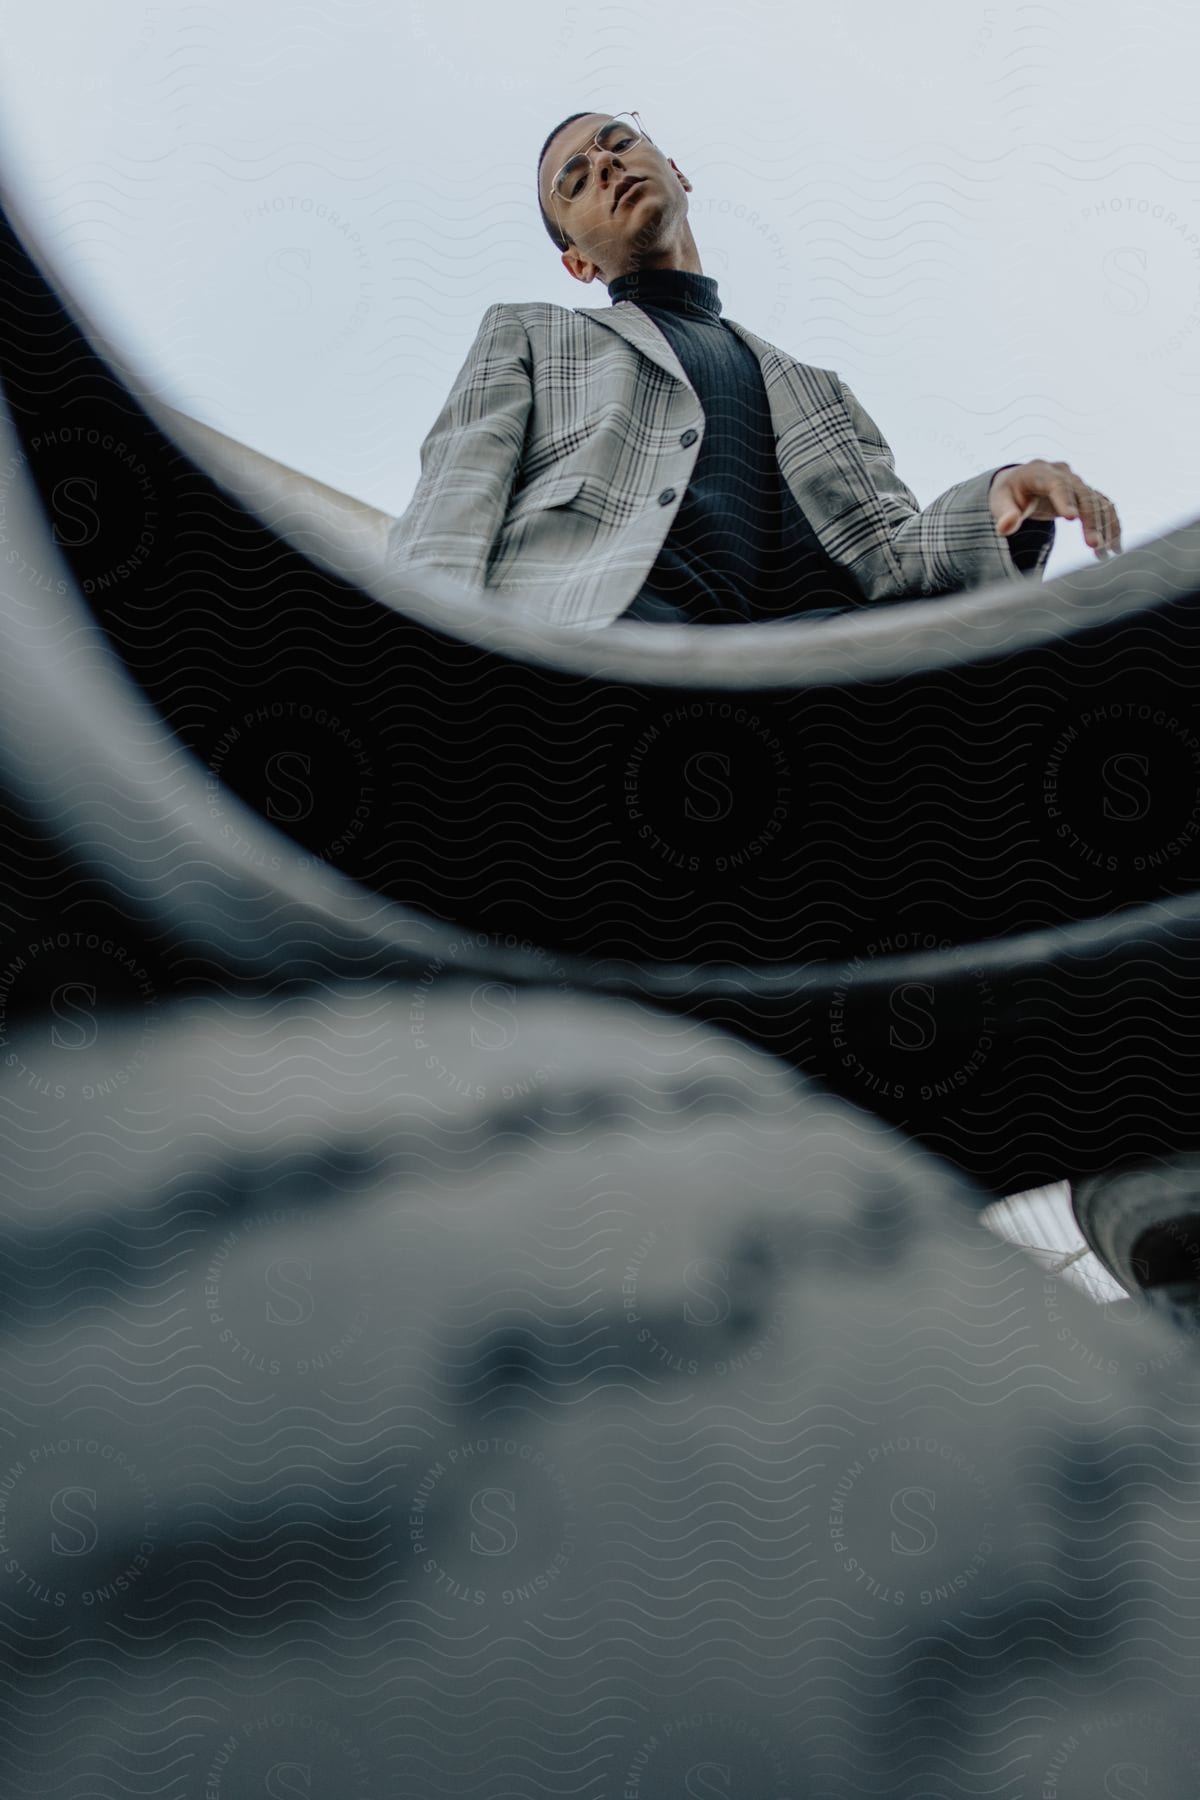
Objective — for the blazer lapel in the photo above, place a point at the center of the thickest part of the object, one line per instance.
(806, 408)
(796, 392)
(638, 329)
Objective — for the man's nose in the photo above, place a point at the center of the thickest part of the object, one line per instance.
(608, 180)
(609, 168)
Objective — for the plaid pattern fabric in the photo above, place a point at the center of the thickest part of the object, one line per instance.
(552, 475)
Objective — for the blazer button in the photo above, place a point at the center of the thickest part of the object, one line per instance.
(689, 438)
(666, 497)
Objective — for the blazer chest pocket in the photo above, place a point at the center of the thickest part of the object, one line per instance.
(547, 491)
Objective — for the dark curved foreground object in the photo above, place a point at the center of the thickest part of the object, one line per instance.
(479, 1395)
(1143, 1222)
(963, 897)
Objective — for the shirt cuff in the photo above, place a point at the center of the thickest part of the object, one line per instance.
(1028, 541)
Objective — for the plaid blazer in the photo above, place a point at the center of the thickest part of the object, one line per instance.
(554, 471)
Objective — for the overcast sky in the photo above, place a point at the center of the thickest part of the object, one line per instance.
(293, 216)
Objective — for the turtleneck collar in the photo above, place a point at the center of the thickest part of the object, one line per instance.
(678, 289)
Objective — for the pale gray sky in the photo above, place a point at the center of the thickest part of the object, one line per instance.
(292, 216)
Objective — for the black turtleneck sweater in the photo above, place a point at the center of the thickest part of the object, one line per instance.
(740, 548)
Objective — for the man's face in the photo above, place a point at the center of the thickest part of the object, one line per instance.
(608, 239)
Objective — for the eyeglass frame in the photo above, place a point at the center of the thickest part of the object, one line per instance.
(586, 153)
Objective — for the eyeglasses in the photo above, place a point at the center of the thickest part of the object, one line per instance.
(619, 135)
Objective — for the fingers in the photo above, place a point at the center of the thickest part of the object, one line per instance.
(1096, 512)
(1058, 490)
(1101, 526)
(1112, 527)
(1063, 491)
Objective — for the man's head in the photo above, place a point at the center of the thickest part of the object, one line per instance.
(598, 238)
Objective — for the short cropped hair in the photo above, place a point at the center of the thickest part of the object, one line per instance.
(562, 240)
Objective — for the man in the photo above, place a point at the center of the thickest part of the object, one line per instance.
(654, 460)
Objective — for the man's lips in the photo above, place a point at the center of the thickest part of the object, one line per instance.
(635, 187)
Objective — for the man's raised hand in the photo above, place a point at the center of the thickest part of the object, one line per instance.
(1050, 490)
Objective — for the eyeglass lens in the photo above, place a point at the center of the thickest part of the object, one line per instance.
(618, 135)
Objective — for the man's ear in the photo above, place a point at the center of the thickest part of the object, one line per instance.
(578, 266)
(682, 177)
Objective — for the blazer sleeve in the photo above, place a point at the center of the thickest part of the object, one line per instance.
(952, 543)
(469, 457)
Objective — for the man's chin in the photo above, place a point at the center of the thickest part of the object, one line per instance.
(647, 238)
